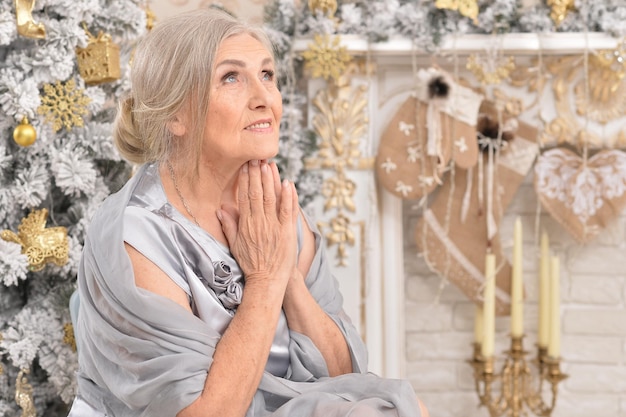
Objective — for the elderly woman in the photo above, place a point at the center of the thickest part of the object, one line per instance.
(204, 290)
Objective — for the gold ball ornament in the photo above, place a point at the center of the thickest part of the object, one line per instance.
(24, 134)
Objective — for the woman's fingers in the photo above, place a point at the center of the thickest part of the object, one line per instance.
(269, 192)
(286, 210)
(277, 185)
(243, 198)
(295, 204)
(255, 188)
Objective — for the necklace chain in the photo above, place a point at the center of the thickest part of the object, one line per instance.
(180, 195)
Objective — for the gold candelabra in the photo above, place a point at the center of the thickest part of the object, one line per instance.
(520, 390)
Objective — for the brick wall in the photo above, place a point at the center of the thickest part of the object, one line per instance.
(439, 319)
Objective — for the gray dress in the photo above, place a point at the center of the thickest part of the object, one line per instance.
(141, 354)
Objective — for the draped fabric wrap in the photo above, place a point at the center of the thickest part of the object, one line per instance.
(141, 354)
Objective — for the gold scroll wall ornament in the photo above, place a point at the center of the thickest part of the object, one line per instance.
(603, 100)
(592, 100)
(341, 123)
(599, 96)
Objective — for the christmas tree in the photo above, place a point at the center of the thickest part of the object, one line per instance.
(63, 66)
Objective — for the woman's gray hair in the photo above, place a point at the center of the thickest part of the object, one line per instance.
(171, 72)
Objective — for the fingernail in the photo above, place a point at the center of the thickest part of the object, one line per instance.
(244, 168)
(218, 213)
(254, 162)
(264, 167)
(285, 183)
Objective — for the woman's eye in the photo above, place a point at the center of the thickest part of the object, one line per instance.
(231, 77)
(268, 75)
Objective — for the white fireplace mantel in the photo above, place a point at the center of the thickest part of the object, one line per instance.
(372, 282)
(511, 43)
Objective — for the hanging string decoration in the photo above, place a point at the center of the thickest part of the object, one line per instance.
(99, 62)
(40, 244)
(26, 25)
(63, 105)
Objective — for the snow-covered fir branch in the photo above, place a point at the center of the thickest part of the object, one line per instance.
(69, 172)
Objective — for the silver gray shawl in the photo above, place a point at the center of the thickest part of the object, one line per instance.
(141, 354)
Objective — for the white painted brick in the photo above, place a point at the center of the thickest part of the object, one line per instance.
(594, 321)
(595, 379)
(612, 234)
(428, 318)
(465, 376)
(438, 346)
(416, 268)
(454, 404)
(570, 404)
(525, 199)
(586, 289)
(593, 295)
(596, 260)
(592, 349)
(430, 288)
(464, 314)
(432, 376)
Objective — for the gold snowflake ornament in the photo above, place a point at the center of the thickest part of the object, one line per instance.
(63, 105)
(326, 58)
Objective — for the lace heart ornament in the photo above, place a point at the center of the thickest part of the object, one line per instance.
(583, 197)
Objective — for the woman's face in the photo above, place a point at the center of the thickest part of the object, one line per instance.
(245, 105)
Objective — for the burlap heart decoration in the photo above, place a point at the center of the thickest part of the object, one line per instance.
(583, 197)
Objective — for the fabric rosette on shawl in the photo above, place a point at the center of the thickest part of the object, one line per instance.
(227, 288)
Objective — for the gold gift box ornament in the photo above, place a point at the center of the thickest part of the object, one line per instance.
(99, 62)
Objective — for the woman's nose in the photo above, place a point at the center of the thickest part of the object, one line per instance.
(260, 95)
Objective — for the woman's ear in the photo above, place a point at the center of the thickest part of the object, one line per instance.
(176, 126)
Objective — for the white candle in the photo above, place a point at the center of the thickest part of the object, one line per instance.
(517, 292)
(554, 346)
(478, 324)
(489, 306)
(544, 292)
